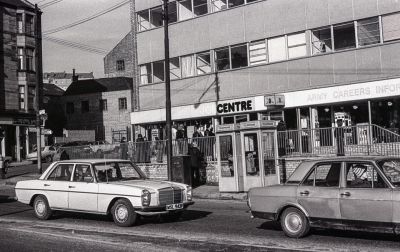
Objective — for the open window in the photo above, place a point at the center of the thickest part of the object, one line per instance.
(203, 63)
(172, 12)
(158, 71)
(321, 40)
(174, 68)
(185, 9)
(344, 36)
(239, 56)
(156, 19)
(145, 74)
(200, 7)
(218, 5)
(143, 20)
(324, 175)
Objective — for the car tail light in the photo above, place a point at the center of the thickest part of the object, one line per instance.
(189, 193)
(146, 198)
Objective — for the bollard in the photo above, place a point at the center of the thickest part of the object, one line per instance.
(2, 168)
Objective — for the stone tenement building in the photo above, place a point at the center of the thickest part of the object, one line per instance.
(102, 105)
(17, 77)
(118, 62)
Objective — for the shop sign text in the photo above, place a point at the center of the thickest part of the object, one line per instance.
(235, 106)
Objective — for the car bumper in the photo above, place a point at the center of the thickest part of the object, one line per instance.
(263, 215)
(157, 210)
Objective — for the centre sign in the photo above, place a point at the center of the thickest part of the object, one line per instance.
(236, 106)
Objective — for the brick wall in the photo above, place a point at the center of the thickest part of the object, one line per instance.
(100, 121)
(120, 52)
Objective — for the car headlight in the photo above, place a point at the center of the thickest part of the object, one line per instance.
(146, 198)
(189, 193)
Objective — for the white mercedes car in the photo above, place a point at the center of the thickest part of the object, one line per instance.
(103, 186)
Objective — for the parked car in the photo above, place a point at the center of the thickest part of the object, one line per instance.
(103, 147)
(47, 153)
(103, 186)
(344, 193)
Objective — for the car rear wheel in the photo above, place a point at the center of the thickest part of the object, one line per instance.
(41, 207)
(123, 213)
(294, 223)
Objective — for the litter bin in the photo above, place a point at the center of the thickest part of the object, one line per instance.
(181, 169)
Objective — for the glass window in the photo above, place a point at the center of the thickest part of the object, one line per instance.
(145, 74)
(20, 55)
(84, 106)
(62, 172)
(297, 45)
(120, 65)
(258, 52)
(251, 154)
(233, 3)
(103, 105)
(29, 29)
(391, 168)
(226, 151)
(200, 7)
(218, 5)
(122, 104)
(158, 71)
(83, 173)
(368, 31)
(321, 41)
(19, 23)
(390, 27)
(363, 175)
(29, 60)
(203, 63)
(239, 56)
(174, 68)
(117, 171)
(187, 66)
(222, 58)
(21, 97)
(344, 36)
(277, 49)
(324, 175)
(70, 108)
(185, 9)
(143, 19)
(31, 97)
(156, 19)
(172, 12)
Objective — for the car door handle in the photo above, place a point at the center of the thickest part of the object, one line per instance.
(46, 185)
(71, 186)
(345, 194)
(305, 193)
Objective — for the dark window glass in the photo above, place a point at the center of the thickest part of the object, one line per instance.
(239, 56)
(84, 106)
(120, 65)
(368, 31)
(103, 105)
(222, 58)
(122, 104)
(344, 36)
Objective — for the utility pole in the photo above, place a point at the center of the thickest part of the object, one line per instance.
(167, 90)
(39, 77)
(135, 65)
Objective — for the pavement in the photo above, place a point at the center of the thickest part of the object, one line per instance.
(24, 171)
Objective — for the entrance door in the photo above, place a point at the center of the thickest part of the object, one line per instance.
(251, 160)
(229, 174)
(270, 157)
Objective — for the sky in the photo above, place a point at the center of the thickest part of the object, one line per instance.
(103, 32)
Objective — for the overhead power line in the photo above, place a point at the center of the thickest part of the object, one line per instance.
(45, 5)
(76, 45)
(101, 13)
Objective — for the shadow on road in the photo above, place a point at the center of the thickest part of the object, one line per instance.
(355, 234)
(6, 199)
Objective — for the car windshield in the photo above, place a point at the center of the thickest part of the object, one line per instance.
(117, 171)
(391, 168)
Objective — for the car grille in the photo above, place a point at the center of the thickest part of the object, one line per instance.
(170, 196)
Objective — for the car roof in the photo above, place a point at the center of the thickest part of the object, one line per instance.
(93, 160)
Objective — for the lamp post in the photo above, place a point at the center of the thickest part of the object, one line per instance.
(167, 90)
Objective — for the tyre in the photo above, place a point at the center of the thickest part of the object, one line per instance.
(123, 213)
(41, 208)
(294, 223)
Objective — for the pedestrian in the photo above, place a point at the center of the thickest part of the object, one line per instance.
(339, 134)
(124, 148)
(197, 133)
(180, 135)
(64, 155)
(196, 160)
(139, 149)
(159, 150)
(282, 138)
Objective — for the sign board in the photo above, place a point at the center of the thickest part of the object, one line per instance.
(274, 100)
(236, 106)
(24, 121)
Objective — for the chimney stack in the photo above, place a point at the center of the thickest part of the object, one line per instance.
(74, 76)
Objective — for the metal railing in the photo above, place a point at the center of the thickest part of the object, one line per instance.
(354, 140)
(143, 152)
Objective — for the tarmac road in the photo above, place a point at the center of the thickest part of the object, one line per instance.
(209, 225)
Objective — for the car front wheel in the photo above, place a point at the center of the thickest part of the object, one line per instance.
(294, 223)
(123, 213)
(41, 207)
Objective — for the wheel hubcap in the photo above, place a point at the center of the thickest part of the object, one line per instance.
(40, 208)
(293, 222)
(121, 213)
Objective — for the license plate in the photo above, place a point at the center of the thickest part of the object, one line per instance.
(174, 206)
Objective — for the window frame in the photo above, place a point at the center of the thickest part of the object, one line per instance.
(69, 108)
(377, 22)
(315, 166)
(103, 105)
(375, 170)
(120, 65)
(122, 103)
